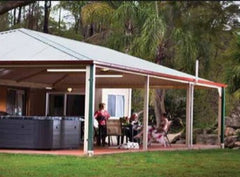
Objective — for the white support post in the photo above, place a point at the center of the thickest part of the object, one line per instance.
(145, 116)
(189, 116)
(47, 104)
(85, 141)
(129, 102)
(219, 118)
(196, 71)
(89, 107)
(65, 105)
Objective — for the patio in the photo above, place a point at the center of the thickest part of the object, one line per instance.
(58, 63)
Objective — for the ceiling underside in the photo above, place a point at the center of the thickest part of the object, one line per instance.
(41, 78)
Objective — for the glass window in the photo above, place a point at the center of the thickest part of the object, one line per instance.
(56, 105)
(75, 105)
(119, 106)
(16, 102)
(112, 105)
(116, 105)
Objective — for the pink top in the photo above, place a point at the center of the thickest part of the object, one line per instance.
(102, 113)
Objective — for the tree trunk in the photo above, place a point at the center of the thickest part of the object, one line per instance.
(47, 6)
(159, 106)
(24, 13)
(30, 16)
(11, 19)
(14, 17)
(19, 15)
(76, 27)
(59, 18)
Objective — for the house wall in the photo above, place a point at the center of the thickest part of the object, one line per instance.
(3, 98)
(36, 102)
(98, 98)
(127, 93)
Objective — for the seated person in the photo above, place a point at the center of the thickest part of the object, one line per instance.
(154, 132)
(135, 126)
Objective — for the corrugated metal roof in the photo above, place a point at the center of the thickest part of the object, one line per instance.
(27, 45)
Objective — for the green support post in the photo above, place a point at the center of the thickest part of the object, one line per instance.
(91, 106)
(223, 116)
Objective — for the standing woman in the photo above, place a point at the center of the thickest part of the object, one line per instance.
(102, 116)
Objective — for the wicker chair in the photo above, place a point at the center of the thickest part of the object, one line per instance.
(114, 128)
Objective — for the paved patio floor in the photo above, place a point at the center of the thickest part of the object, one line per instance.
(107, 150)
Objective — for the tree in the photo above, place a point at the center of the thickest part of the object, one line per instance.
(95, 18)
(174, 34)
(75, 8)
(233, 67)
(47, 6)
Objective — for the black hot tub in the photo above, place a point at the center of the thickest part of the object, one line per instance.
(32, 132)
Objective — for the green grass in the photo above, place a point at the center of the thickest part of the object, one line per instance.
(197, 163)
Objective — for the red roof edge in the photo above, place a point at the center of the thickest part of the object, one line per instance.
(87, 62)
(201, 81)
(45, 62)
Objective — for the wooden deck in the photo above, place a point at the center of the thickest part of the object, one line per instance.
(107, 150)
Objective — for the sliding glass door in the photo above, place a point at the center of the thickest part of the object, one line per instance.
(75, 105)
(16, 102)
(65, 104)
(56, 105)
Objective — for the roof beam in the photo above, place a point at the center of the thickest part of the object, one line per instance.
(6, 82)
(60, 79)
(31, 75)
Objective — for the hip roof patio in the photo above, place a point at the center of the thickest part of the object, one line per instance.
(38, 60)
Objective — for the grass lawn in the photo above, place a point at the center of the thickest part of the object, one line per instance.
(195, 163)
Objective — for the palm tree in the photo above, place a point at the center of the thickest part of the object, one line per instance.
(173, 34)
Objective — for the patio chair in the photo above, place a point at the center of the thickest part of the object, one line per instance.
(160, 137)
(114, 128)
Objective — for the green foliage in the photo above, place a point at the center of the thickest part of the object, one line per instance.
(4, 21)
(150, 38)
(74, 7)
(205, 108)
(124, 26)
(70, 34)
(137, 100)
(98, 13)
(186, 51)
(233, 67)
(175, 103)
(181, 33)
